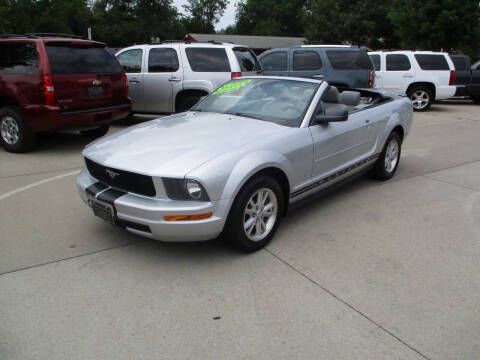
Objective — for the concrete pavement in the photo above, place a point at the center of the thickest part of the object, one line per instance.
(370, 271)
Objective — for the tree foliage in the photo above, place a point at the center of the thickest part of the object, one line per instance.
(270, 17)
(203, 15)
(437, 24)
(358, 22)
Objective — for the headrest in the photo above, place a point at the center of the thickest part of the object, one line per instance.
(332, 95)
(351, 98)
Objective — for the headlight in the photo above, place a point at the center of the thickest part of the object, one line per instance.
(194, 188)
(185, 189)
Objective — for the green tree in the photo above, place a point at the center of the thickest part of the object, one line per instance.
(270, 17)
(357, 22)
(437, 24)
(202, 15)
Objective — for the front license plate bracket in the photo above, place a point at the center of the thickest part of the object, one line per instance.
(102, 210)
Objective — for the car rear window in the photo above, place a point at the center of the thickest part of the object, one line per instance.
(432, 62)
(306, 60)
(18, 59)
(460, 63)
(376, 61)
(72, 59)
(208, 59)
(398, 62)
(349, 60)
(276, 61)
(247, 60)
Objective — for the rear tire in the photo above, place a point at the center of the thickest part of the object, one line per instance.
(255, 214)
(95, 133)
(475, 98)
(389, 158)
(15, 135)
(421, 98)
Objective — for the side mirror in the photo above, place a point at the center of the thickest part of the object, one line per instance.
(332, 114)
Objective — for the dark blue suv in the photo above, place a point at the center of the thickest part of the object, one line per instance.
(342, 66)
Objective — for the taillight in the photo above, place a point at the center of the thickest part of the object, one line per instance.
(236, 75)
(452, 78)
(47, 90)
(125, 81)
(370, 79)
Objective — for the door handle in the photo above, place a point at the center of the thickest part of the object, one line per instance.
(134, 81)
(378, 76)
(175, 79)
(407, 76)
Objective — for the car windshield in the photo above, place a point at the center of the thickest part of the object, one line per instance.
(283, 102)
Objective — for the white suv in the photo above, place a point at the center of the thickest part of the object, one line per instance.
(172, 76)
(424, 76)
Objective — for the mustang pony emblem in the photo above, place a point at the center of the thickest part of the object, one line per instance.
(96, 82)
(111, 173)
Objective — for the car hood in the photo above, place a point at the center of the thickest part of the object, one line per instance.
(175, 145)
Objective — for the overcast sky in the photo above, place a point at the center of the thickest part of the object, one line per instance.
(228, 17)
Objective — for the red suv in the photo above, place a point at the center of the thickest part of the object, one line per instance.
(51, 82)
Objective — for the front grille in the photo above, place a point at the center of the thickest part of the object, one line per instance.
(123, 180)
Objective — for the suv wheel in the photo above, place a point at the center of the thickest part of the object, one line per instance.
(98, 132)
(255, 214)
(15, 135)
(389, 158)
(421, 98)
(185, 103)
(475, 99)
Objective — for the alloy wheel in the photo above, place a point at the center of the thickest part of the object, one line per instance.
(9, 130)
(391, 155)
(260, 214)
(420, 99)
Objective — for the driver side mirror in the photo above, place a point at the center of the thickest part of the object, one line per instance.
(332, 114)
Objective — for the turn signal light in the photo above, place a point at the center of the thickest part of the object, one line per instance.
(452, 78)
(188, 217)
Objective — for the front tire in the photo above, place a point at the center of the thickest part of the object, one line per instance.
(389, 158)
(255, 214)
(421, 98)
(15, 135)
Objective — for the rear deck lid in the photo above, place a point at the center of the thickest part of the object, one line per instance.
(85, 75)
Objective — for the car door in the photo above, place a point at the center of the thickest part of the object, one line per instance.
(132, 62)
(275, 62)
(338, 145)
(163, 78)
(398, 74)
(307, 63)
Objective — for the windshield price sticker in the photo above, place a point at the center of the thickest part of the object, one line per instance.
(231, 86)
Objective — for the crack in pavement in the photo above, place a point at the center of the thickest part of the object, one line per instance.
(344, 302)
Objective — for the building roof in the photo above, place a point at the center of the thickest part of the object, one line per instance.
(254, 42)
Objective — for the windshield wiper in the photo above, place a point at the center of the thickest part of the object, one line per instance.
(244, 115)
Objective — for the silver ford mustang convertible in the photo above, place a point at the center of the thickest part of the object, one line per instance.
(234, 163)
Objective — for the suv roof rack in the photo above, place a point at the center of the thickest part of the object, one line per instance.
(6, 36)
(38, 35)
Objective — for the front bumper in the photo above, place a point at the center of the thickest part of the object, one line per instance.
(144, 215)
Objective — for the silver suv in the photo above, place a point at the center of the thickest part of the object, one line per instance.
(172, 76)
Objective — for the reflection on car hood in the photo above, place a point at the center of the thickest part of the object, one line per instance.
(177, 144)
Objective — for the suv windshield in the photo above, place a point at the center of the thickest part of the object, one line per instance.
(283, 102)
(66, 58)
(349, 60)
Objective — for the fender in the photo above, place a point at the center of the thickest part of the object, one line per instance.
(250, 165)
(204, 85)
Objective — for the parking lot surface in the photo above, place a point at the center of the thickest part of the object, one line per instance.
(370, 271)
